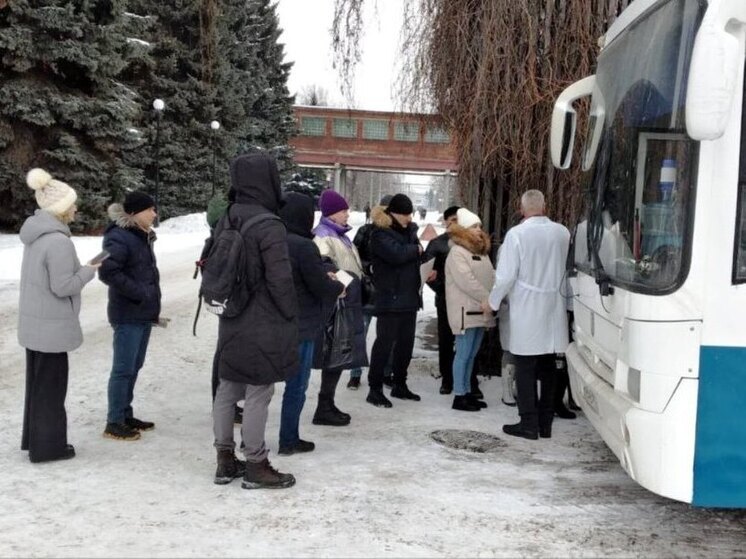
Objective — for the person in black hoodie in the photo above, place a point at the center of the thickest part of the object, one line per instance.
(395, 255)
(258, 347)
(438, 249)
(314, 287)
(134, 305)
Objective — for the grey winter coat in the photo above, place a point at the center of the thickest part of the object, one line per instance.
(51, 281)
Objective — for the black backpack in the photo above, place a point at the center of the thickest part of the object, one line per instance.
(225, 290)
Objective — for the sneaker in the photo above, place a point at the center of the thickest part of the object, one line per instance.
(68, 453)
(229, 467)
(300, 446)
(377, 398)
(138, 425)
(121, 432)
(354, 383)
(520, 430)
(404, 393)
(261, 475)
(388, 380)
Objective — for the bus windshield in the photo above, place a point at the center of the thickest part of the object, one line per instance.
(643, 165)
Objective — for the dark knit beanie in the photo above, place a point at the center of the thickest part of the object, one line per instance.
(332, 202)
(137, 201)
(449, 212)
(400, 204)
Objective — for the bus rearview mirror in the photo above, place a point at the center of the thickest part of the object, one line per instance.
(713, 74)
(564, 121)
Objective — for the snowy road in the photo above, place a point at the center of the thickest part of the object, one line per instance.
(380, 487)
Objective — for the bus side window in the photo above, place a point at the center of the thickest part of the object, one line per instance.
(739, 259)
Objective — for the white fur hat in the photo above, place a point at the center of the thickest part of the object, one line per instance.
(466, 219)
(52, 195)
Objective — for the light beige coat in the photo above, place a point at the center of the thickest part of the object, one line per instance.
(344, 257)
(469, 277)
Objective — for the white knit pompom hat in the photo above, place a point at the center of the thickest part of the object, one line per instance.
(466, 219)
(52, 195)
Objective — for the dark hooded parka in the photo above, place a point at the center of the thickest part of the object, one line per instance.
(260, 345)
(314, 288)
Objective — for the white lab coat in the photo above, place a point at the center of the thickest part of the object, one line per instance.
(530, 275)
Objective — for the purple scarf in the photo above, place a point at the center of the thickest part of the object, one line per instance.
(327, 228)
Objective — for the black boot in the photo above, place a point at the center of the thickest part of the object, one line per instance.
(521, 430)
(300, 446)
(340, 413)
(261, 475)
(462, 403)
(562, 412)
(388, 380)
(444, 389)
(229, 467)
(67, 453)
(475, 401)
(403, 392)
(376, 397)
(326, 415)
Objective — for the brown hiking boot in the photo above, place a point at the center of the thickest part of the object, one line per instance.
(261, 475)
(229, 467)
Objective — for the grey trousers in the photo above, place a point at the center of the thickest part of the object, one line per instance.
(255, 411)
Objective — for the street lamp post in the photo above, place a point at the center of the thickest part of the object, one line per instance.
(158, 105)
(215, 125)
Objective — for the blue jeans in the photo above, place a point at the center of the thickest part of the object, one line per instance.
(130, 346)
(467, 346)
(295, 396)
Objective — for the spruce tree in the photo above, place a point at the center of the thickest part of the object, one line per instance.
(271, 113)
(61, 106)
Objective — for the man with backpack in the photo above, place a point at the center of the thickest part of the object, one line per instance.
(258, 330)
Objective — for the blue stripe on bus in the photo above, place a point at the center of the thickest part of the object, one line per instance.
(720, 444)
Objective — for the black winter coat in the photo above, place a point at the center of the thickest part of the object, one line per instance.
(260, 345)
(438, 248)
(130, 272)
(314, 288)
(395, 255)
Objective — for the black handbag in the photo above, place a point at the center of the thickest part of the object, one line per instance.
(339, 337)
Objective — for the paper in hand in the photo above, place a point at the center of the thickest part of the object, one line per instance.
(344, 278)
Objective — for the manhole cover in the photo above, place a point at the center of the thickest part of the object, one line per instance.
(472, 441)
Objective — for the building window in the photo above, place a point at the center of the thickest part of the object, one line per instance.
(407, 131)
(312, 126)
(437, 135)
(376, 129)
(344, 128)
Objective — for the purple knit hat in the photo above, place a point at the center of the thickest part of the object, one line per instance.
(332, 202)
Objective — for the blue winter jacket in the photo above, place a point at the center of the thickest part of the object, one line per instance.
(130, 272)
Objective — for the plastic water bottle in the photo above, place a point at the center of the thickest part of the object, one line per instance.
(668, 180)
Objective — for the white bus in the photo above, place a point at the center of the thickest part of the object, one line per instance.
(658, 264)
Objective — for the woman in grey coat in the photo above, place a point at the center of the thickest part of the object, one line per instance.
(48, 326)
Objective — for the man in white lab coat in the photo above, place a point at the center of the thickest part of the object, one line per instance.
(530, 277)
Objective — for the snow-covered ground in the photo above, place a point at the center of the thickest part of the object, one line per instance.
(379, 487)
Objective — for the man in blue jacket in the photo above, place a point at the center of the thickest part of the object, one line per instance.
(134, 306)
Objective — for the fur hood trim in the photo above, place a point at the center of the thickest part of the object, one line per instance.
(460, 236)
(120, 217)
(380, 218)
